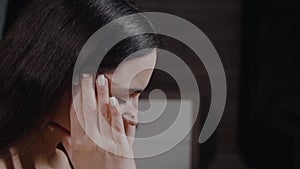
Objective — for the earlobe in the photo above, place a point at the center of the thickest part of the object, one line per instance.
(62, 114)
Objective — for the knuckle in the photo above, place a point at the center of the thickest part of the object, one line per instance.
(103, 115)
(101, 91)
(86, 84)
(115, 113)
(102, 109)
(89, 107)
(118, 128)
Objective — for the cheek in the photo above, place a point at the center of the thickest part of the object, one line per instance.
(131, 106)
(135, 102)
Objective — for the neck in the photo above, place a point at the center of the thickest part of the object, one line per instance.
(42, 153)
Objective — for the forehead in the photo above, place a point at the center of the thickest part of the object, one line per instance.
(133, 73)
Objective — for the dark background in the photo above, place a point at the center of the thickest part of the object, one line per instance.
(258, 42)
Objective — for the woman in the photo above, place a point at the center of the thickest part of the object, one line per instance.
(37, 109)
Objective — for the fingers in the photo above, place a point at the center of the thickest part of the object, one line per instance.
(89, 106)
(130, 133)
(117, 124)
(103, 101)
(100, 114)
(130, 123)
(76, 114)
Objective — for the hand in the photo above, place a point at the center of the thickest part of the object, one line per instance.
(101, 118)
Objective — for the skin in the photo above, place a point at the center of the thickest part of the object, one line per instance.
(113, 127)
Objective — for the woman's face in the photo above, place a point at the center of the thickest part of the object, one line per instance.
(126, 84)
(130, 79)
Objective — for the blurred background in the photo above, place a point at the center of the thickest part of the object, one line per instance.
(258, 43)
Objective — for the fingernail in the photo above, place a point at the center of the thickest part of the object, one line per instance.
(113, 101)
(76, 80)
(85, 75)
(101, 80)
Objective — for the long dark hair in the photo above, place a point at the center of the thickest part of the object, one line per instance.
(38, 55)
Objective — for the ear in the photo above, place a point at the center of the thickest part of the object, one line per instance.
(62, 116)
